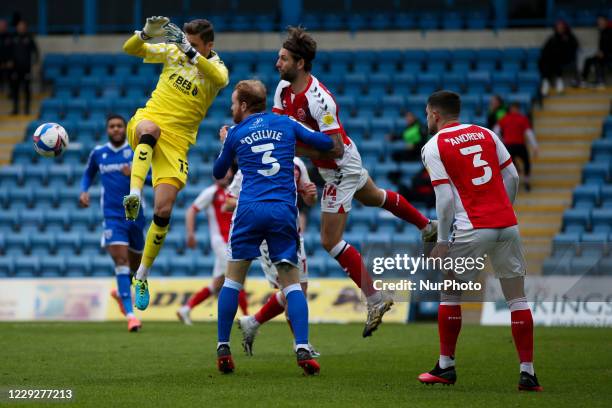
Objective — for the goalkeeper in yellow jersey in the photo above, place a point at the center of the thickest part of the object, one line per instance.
(162, 132)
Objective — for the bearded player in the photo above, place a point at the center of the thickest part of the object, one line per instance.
(162, 132)
(300, 94)
(475, 184)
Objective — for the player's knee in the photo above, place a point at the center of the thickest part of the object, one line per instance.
(148, 128)
(329, 243)
(160, 219)
(148, 139)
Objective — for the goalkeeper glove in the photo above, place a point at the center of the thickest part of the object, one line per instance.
(154, 27)
(176, 36)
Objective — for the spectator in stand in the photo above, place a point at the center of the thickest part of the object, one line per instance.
(5, 55)
(24, 54)
(497, 110)
(603, 57)
(413, 136)
(558, 54)
(515, 130)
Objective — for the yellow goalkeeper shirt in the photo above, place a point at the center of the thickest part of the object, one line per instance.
(184, 91)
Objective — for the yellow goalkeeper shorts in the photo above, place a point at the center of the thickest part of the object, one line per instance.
(169, 164)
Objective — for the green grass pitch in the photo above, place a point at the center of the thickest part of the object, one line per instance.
(168, 364)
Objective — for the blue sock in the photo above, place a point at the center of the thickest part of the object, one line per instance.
(227, 306)
(297, 309)
(124, 286)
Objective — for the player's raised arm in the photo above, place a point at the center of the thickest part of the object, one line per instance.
(210, 66)
(135, 45)
(225, 159)
(319, 141)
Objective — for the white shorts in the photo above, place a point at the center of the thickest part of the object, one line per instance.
(502, 246)
(342, 183)
(270, 270)
(219, 247)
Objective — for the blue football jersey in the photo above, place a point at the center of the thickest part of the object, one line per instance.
(264, 145)
(109, 162)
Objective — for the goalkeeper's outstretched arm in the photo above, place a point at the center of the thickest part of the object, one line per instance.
(135, 46)
(154, 27)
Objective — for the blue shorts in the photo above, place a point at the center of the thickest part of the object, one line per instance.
(275, 222)
(119, 231)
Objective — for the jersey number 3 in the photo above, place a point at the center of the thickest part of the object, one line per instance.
(476, 150)
(267, 158)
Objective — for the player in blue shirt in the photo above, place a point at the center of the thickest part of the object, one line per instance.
(124, 240)
(264, 146)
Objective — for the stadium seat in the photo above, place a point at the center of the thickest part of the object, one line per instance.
(77, 266)
(565, 243)
(601, 216)
(43, 243)
(102, 266)
(26, 266)
(7, 266)
(576, 216)
(594, 244)
(586, 196)
(584, 265)
(51, 267)
(596, 173)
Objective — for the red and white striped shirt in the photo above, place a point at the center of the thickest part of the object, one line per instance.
(316, 108)
(470, 158)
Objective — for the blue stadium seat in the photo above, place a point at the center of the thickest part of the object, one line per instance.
(504, 82)
(77, 266)
(7, 266)
(90, 244)
(427, 83)
(203, 266)
(476, 20)
(454, 81)
(606, 195)
(576, 216)
(605, 266)
(51, 266)
(586, 196)
(102, 266)
(57, 219)
(478, 81)
(428, 21)
(596, 173)
(594, 244)
(68, 242)
(52, 108)
(26, 266)
(584, 265)
(565, 243)
(75, 109)
(528, 82)
(556, 266)
(43, 243)
(601, 217)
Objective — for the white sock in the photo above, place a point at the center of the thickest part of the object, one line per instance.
(528, 368)
(446, 361)
(221, 343)
(374, 298)
(185, 308)
(254, 321)
(142, 273)
(135, 191)
(129, 315)
(302, 346)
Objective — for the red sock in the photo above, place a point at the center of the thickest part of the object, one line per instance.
(350, 260)
(449, 326)
(401, 208)
(522, 332)
(243, 302)
(270, 310)
(198, 297)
